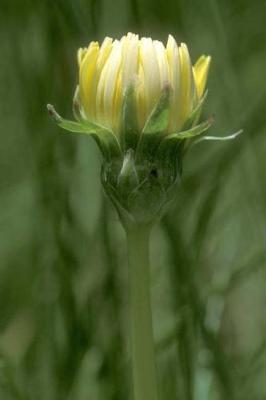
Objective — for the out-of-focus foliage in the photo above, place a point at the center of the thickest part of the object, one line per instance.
(63, 272)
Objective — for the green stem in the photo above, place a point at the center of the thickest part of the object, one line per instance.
(143, 358)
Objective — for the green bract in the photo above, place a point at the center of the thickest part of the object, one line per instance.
(141, 170)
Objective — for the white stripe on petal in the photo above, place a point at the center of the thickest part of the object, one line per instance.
(162, 62)
(148, 60)
(130, 59)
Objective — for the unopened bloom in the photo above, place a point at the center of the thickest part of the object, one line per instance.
(106, 71)
(141, 101)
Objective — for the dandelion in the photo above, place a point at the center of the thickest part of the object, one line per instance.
(141, 101)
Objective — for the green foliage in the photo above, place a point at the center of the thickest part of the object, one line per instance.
(63, 274)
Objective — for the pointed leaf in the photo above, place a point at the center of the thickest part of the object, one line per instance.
(105, 138)
(155, 126)
(169, 155)
(171, 150)
(195, 131)
(218, 138)
(158, 119)
(195, 114)
(130, 129)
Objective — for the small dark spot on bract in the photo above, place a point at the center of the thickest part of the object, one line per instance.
(154, 172)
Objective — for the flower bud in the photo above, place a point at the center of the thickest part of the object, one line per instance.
(141, 102)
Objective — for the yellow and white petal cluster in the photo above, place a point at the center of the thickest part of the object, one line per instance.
(106, 71)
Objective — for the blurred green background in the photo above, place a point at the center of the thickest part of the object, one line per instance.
(63, 273)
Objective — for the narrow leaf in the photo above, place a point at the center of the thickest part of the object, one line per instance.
(105, 138)
(130, 130)
(195, 131)
(195, 114)
(158, 119)
(218, 138)
(172, 147)
(155, 127)
(72, 126)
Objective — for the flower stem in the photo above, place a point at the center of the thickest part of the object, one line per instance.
(143, 358)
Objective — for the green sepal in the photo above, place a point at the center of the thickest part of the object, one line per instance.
(195, 113)
(105, 138)
(158, 119)
(155, 126)
(192, 132)
(109, 175)
(171, 149)
(129, 129)
(169, 156)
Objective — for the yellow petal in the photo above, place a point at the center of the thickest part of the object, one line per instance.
(107, 85)
(81, 54)
(126, 73)
(187, 89)
(201, 69)
(104, 52)
(174, 74)
(103, 55)
(86, 75)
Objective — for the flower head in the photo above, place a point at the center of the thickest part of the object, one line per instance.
(141, 101)
(106, 71)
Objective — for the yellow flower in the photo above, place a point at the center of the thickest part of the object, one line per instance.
(141, 102)
(106, 71)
